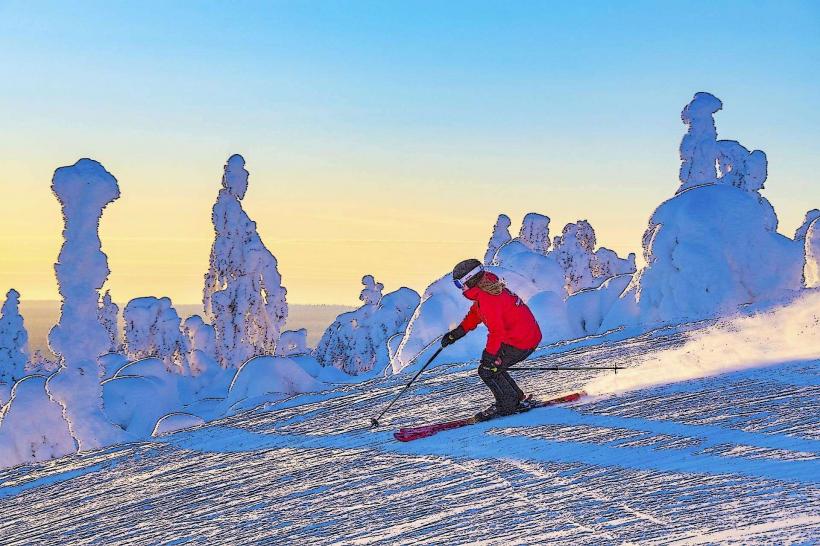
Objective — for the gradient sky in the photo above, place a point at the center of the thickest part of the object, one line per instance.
(382, 137)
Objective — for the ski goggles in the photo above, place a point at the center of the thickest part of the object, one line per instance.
(461, 281)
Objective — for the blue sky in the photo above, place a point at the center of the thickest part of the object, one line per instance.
(359, 119)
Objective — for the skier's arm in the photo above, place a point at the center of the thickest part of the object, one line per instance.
(472, 319)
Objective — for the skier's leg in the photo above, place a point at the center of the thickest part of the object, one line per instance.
(509, 357)
(490, 379)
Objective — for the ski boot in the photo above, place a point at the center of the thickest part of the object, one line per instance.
(486, 414)
(525, 402)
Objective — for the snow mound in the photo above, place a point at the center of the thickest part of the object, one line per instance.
(265, 378)
(785, 334)
(174, 422)
(139, 394)
(292, 342)
(587, 309)
(709, 250)
(32, 427)
(111, 364)
(356, 342)
(543, 272)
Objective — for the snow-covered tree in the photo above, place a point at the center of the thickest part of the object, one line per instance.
(740, 168)
(83, 189)
(108, 313)
(152, 329)
(41, 364)
(811, 216)
(243, 297)
(585, 267)
(14, 352)
(707, 160)
(292, 342)
(201, 343)
(714, 246)
(535, 232)
(811, 266)
(698, 148)
(500, 236)
(371, 294)
(356, 342)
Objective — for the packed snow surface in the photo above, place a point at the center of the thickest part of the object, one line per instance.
(733, 457)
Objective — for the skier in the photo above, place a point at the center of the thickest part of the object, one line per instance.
(513, 333)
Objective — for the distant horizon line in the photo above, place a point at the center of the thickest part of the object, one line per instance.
(23, 301)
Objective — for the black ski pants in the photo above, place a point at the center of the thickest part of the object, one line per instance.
(505, 390)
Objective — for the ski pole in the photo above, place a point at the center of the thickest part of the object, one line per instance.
(375, 421)
(558, 368)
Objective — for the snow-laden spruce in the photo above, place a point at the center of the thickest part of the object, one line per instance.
(356, 342)
(84, 190)
(152, 329)
(108, 313)
(535, 232)
(243, 297)
(811, 267)
(14, 351)
(714, 246)
(706, 160)
(39, 363)
(500, 237)
(583, 265)
(201, 344)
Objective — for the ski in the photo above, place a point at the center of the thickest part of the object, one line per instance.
(416, 433)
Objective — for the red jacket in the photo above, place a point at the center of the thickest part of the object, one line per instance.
(507, 317)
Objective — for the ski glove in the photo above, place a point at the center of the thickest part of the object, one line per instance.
(452, 336)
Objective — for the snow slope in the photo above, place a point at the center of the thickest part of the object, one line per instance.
(729, 458)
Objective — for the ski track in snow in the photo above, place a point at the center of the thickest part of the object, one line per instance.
(728, 459)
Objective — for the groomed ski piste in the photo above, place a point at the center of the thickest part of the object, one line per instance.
(710, 435)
